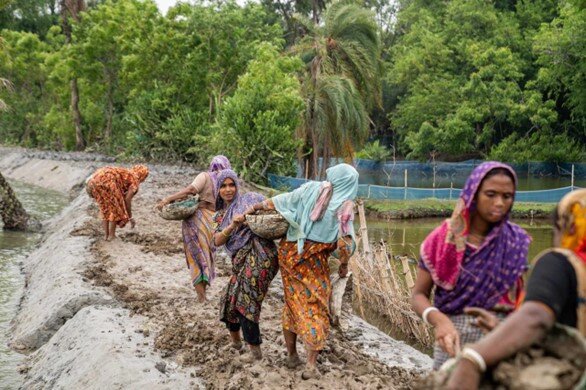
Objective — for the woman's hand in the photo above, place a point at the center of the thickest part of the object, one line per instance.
(485, 320)
(343, 270)
(161, 204)
(238, 220)
(446, 335)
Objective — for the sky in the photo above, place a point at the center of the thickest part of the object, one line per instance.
(164, 5)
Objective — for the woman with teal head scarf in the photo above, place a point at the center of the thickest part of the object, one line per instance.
(320, 216)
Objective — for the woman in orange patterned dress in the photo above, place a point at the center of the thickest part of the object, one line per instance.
(113, 189)
(320, 218)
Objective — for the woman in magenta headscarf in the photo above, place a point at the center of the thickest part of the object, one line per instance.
(474, 259)
(197, 230)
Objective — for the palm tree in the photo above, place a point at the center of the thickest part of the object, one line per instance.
(341, 83)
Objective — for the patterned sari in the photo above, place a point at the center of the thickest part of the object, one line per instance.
(197, 233)
(306, 281)
(198, 246)
(254, 259)
(109, 187)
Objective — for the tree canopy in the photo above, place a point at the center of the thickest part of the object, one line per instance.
(276, 80)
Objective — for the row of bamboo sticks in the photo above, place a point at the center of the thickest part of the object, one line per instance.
(385, 283)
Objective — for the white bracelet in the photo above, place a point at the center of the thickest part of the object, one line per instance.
(426, 313)
(474, 356)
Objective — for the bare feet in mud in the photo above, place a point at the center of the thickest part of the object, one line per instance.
(254, 355)
(293, 361)
(310, 372)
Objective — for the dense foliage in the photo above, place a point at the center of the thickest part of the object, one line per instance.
(270, 81)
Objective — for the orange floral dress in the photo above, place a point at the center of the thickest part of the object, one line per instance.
(306, 281)
(109, 186)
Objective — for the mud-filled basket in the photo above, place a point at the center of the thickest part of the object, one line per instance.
(267, 224)
(556, 362)
(180, 210)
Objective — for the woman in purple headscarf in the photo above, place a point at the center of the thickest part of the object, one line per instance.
(474, 259)
(254, 263)
(197, 230)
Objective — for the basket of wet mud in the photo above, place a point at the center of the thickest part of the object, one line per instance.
(557, 362)
(267, 224)
(180, 210)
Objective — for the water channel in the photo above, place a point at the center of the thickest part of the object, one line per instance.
(14, 247)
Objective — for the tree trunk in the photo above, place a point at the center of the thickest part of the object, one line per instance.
(77, 120)
(13, 214)
(72, 8)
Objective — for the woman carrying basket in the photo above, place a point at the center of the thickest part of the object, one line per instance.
(254, 264)
(197, 230)
(320, 218)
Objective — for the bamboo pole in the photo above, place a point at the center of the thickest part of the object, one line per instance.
(391, 271)
(407, 272)
(364, 230)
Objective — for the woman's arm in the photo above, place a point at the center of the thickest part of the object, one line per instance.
(223, 235)
(344, 250)
(266, 204)
(521, 329)
(128, 202)
(184, 193)
(446, 334)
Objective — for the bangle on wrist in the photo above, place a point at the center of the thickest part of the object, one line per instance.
(426, 312)
(223, 232)
(473, 356)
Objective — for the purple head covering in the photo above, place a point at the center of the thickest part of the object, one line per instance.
(474, 277)
(217, 164)
(238, 206)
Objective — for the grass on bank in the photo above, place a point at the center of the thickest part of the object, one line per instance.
(443, 208)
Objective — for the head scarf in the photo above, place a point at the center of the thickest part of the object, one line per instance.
(217, 164)
(238, 206)
(318, 211)
(571, 220)
(490, 270)
(140, 172)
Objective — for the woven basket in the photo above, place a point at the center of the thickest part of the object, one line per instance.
(178, 211)
(271, 226)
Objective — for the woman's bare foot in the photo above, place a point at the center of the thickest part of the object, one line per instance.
(293, 361)
(200, 289)
(310, 372)
(254, 356)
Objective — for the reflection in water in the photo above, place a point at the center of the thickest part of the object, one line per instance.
(406, 236)
(14, 246)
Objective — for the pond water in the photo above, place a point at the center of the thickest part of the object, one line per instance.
(406, 236)
(14, 247)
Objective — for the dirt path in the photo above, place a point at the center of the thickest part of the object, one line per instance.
(145, 269)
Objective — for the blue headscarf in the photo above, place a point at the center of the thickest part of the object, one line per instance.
(297, 206)
(238, 206)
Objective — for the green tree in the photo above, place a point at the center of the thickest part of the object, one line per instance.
(341, 82)
(465, 77)
(180, 76)
(257, 124)
(22, 57)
